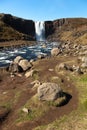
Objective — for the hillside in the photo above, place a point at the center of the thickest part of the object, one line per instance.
(70, 29)
(13, 28)
(49, 93)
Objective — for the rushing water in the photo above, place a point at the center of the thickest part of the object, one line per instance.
(28, 52)
(40, 30)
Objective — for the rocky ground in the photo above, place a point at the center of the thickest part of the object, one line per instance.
(50, 93)
(27, 104)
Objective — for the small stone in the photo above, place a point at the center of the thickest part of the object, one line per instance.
(35, 82)
(32, 60)
(55, 51)
(25, 110)
(50, 70)
(12, 75)
(41, 56)
(29, 73)
(5, 93)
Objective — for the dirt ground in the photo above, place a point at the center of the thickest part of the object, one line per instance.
(16, 91)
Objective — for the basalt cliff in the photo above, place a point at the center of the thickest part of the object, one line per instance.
(69, 29)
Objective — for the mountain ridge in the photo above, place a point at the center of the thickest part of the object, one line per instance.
(65, 29)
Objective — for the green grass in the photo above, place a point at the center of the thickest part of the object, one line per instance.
(7, 105)
(36, 110)
(77, 119)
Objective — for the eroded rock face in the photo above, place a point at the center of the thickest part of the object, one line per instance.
(21, 25)
(49, 28)
(49, 91)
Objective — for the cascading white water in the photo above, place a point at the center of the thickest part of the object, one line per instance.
(40, 30)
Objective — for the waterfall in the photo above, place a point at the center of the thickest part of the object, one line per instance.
(40, 30)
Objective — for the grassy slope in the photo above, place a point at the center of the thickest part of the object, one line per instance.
(73, 30)
(77, 119)
(8, 33)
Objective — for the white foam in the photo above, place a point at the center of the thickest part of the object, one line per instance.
(3, 57)
(7, 61)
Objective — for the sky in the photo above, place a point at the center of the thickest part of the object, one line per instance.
(43, 10)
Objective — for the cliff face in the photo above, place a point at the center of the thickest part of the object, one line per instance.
(21, 25)
(16, 28)
(49, 28)
(70, 29)
(52, 26)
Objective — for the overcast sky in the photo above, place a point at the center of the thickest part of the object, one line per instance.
(44, 9)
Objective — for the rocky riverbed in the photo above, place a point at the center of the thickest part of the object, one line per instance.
(39, 94)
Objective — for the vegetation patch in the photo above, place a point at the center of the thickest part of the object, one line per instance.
(77, 119)
(36, 109)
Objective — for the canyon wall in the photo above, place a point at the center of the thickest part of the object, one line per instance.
(69, 29)
(16, 28)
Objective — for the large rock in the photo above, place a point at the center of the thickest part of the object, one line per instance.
(25, 64)
(55, 51)
(17, 59)
(14, 67)
(49, 91)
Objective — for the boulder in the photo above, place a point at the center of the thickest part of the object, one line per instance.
(18, 59)
(55, 51)
(14, 67)
(25, 64)
(49, 91)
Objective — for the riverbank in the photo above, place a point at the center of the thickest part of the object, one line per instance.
(15, 43)
(18, 92)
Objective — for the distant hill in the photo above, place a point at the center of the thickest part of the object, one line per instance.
(14, 28)
(69, 29)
